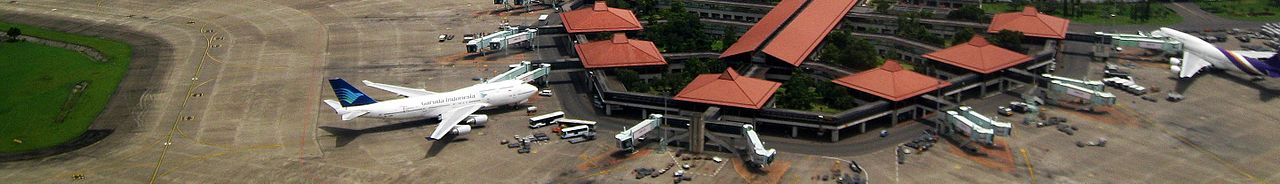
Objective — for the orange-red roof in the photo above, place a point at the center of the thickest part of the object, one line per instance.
(891, 82)
(1031, 23)
(600, 18)
(768, 25)
(729, 89)
(619, 52)
(978, 55)
(799, 38)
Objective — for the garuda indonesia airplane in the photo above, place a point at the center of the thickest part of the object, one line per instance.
(452, 108)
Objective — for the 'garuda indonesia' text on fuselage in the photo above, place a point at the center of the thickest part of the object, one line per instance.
(1198, 54)
(450, 107)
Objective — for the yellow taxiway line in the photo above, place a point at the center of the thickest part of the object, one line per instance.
(181, 109)
(1030, 170)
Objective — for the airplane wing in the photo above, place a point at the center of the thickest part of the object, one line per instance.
(1191, 64)
(402, 91)
(1254, 54)
(452, 118)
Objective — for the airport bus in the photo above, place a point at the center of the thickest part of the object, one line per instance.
(576, 131)
(545, 119)
(566, 122)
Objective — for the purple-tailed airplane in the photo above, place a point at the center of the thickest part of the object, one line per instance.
(1198, 54)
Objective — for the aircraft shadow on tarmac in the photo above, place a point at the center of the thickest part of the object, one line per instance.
(438, 145)
(345, 136)
(1267, 93)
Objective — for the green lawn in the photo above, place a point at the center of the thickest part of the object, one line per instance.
(823, 108)
(1100, 13)
(38, 81)
(1251, 10)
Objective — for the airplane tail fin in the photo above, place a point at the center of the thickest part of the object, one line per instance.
(342, 111)
(349, 95)
(1274, 61)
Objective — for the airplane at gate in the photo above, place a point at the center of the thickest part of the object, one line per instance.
(452, 108)
(1199, 54)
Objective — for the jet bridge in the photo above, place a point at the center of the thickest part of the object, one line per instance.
(759, 156)
(509, 35)
(998, 128)
(964, 126)
(1091, 85)
(524, 71)
(1152, 41)
(628, 139)
(1079, 94)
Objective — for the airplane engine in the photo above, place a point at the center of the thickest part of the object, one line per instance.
(478, 120)
(1175, 69)
(1175, 61)
(460, 130)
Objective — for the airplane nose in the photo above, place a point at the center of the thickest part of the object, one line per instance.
(529, 87)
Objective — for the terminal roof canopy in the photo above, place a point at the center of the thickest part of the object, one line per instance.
(1031, 23)
(800, 37)
(890, 81)
(792, 41)
(619, 52)
(600, 18)
(728, 89)
(979, 56)
(761, 31)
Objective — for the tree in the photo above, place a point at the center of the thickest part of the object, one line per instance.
(798, 93)
(910, 27)
(862, 55)
(1140, 11)
(962, 36)
(835, 96)
(631, 78)
(679, 22)
(969, 13)
(882, 6)
(619, 4)
(1007, 39)
(696, 66)
(729, 36)
(843, 49)
(14, 32)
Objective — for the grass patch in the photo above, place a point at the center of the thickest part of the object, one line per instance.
(718, 46)
(1250, 10)
(823, 108)
(38, 82)
(1099, 13)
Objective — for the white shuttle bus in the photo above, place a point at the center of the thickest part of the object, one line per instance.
(545, 119)
(566, 122)
(575, 131)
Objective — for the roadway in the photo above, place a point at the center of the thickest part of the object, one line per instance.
(1193, 19)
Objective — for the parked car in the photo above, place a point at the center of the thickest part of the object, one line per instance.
(1004, 111)
(855, 167)
(545, 92)
(1243, 38)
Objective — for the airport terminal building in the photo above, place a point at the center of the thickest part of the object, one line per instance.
(784, 40)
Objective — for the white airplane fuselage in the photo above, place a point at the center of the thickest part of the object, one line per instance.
(1217, 57)
(492, 95)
